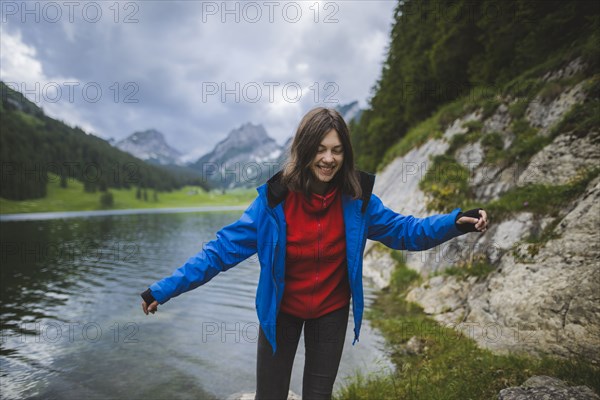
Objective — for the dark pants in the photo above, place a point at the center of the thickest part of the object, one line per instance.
(323, 341)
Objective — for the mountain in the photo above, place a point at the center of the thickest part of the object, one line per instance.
(282, 159)
(149, 145)
(350, 112)
(247, 157)
(33, 144)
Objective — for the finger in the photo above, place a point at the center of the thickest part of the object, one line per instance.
(483, 215)
(144, 308)
(473, 220)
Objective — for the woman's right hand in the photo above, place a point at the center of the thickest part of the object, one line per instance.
(153, 307)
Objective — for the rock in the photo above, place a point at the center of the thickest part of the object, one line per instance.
(380, 267)
(562, 159)
(499, 121)
(542, 380)
(470, 155)
(457, 127)
(492, 181)
(544, 116)
(399, 182)
(546, 301)
(507, 233)
(251, 395)
(414, 346)
(555, 164)
(547, 388)
(575, 66)
(440, 294)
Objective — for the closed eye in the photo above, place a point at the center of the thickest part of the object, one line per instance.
(336, 150)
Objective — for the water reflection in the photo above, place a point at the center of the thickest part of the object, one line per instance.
(72, 325)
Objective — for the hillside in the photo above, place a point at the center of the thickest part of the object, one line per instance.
(533, 165)
(500, 112)
(33, 145)
(442, 50)
(485, 313)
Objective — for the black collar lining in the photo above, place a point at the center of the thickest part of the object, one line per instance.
(276, 192)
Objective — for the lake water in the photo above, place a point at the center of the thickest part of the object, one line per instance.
(72, 325)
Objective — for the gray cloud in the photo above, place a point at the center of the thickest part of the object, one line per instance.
(176, 50)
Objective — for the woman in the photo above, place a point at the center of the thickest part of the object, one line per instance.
(309, 225)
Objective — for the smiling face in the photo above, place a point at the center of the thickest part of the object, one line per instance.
(327, 162)
(321, 156)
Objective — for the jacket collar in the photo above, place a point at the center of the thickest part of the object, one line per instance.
(276, 191)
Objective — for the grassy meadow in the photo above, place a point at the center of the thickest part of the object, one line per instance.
(74, 198)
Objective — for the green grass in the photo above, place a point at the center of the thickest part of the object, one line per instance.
(459, 140)
(415, 137)
(434, 126)
(583, 118)
(451, 366)
(473, 126)
(478, 268)
(517, 109)
(526, 144)
(446, 183)
(493, 146)
(74, 198)
(540, 199)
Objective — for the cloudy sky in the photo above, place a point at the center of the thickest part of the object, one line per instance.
(193, 70)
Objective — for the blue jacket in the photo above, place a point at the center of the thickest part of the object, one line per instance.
(261, 230)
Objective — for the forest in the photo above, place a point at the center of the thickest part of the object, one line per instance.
(34, 147)
(445, 49)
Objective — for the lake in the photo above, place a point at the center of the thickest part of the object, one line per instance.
(72, 325)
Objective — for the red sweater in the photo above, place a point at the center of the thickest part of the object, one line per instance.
(316, 275)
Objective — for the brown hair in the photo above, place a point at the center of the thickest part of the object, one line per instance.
(311, 131)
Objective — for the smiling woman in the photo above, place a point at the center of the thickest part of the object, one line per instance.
(321, 148)
(328, 161)
(309, 225)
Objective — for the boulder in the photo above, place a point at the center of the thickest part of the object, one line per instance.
(547, 388)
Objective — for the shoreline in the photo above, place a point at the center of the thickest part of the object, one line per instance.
(37, 216)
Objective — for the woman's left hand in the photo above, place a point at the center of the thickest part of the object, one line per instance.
(481, 224)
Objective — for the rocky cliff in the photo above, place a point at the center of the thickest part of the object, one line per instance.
(542, 291)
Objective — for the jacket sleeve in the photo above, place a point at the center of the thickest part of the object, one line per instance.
(234, 243)
(407, 232)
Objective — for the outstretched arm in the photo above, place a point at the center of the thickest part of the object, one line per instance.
(234, 243)
(402, 232)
